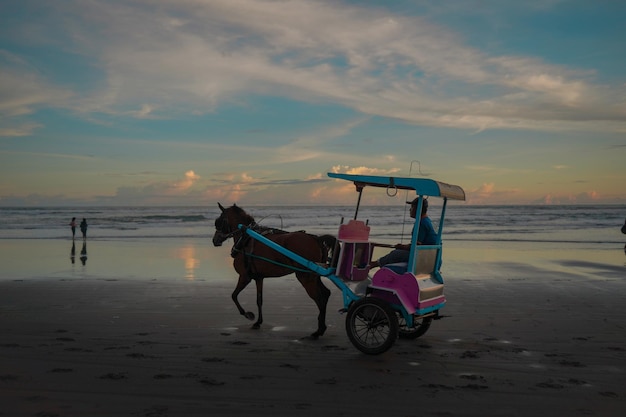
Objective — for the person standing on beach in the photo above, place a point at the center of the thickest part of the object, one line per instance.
(624, 232)
(83, 228)
(73, 227)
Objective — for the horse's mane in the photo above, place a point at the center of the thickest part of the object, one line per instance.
(248, 219)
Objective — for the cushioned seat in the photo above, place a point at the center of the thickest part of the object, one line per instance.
(398, 268)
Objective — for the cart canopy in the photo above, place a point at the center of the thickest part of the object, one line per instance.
(422, 186)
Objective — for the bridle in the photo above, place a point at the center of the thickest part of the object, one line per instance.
(224, 226)
(224, 230)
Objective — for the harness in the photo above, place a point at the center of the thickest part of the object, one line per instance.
(245, 241)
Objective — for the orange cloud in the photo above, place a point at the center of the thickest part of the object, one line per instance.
(187, 182)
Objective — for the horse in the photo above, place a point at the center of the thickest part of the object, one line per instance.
(255, 261)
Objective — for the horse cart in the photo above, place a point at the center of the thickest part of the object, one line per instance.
(397, 300)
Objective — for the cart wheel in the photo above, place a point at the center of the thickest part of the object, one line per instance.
(372, 325)
(420, 326)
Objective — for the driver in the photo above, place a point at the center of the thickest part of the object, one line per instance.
(425, 236)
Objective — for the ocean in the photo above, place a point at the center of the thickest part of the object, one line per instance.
(154, 243)
(575, 224)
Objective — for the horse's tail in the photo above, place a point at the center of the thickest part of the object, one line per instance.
(328, 244)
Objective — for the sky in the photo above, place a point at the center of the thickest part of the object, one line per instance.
(194, 102)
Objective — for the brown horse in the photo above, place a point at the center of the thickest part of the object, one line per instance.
(254, 260)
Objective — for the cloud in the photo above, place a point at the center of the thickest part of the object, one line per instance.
(587, 197)
(187, 182)
(488, 193)
(171, 57)
(362, 170)
(23, 91)
(179, 191)
(16, 130)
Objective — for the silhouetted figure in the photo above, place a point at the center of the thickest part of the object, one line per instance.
(624, 232)
(73, 252)
(83, 253)
(73, 226)
(83, 228)
(426, 236)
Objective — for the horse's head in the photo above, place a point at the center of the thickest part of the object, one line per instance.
(227, 224)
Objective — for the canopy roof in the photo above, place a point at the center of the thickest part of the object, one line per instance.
(422, 186)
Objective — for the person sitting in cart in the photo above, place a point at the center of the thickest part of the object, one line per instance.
(425, 236)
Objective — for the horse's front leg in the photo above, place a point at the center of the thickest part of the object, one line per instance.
(243, 282)
(259, 302)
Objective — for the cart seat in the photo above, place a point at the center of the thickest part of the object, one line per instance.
(426, 259)
(398, 267)
(355, 251)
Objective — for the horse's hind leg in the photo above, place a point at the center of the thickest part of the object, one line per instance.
(259, 303)
(243, 282)
(320, 294)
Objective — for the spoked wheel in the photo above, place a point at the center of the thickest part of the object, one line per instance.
(420, 326)
(372, 325)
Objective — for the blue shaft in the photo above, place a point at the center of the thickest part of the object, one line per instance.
(289, 254)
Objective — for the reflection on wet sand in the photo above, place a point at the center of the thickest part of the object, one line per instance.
(83, 253)
(192, 263)
(73, 252)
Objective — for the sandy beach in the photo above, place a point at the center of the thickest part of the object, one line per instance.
(524, 333)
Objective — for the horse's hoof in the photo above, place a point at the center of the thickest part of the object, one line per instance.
(315, 335)
(249, 315)
(256, 326)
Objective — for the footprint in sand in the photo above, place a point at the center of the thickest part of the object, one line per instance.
(115, 376)
(155, 411)
(473, 377)
(574, 364)
(211, 382)
(470, 354)
(141, 356)
(213, 360)
(332, 347)
(65, 339)
(438, 386)
(251, 377)
(550, 384)
(476, 387)
(77, 349)
(327, 381)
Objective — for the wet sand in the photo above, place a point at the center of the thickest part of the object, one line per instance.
(518, 338)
